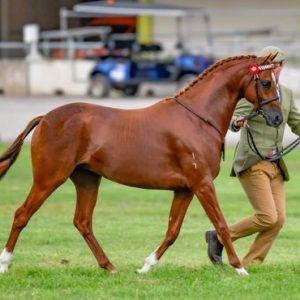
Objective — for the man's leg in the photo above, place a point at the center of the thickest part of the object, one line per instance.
(261, 191)
(264, 240)
(256, 183)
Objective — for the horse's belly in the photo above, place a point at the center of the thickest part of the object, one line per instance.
(170, 182)
(141, 174)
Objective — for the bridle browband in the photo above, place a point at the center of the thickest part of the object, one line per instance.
(254, 69)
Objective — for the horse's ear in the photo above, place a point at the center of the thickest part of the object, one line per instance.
(272, 56)
(268, 58)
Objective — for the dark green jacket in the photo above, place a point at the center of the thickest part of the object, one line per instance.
(267, 139)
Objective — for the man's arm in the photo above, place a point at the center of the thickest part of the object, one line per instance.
(238, 120)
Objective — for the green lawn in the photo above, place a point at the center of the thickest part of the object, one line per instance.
(52, 261)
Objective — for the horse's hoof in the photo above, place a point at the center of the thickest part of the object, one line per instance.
(3, 269)
(108, 266)
(242, 271)
(5, 258)
(146, 267)
(111, 269)
(142, 270)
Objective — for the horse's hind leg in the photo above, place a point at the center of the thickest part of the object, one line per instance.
(38, 194)
(87, 184)
(181, 202)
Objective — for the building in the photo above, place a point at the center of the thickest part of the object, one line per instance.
(234, 24)
(235, 27)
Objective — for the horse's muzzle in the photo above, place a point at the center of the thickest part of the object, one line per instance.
(273, 117)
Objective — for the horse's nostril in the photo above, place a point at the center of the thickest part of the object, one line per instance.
(278, 120)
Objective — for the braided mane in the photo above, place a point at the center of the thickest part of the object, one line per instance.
(212, 68)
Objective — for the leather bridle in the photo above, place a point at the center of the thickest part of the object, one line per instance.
(277, 154)
(260, 102)
(254, 69)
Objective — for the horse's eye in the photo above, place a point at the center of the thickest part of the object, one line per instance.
(266, 84)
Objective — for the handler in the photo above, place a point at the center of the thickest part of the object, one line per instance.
(262, 179)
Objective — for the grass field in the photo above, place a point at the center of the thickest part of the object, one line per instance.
(52, 261)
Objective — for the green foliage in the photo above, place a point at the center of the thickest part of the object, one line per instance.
(52, 261)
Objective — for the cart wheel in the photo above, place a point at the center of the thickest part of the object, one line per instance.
(185, 79)
(130, 90)
(100, 86)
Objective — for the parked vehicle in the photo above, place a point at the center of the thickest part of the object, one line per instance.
(126, 74)
(126, 68)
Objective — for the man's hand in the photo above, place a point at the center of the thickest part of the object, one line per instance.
(240, 122)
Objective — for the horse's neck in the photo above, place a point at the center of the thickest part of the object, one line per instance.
(214, 99)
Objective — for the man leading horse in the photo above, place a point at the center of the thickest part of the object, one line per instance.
(261, 171)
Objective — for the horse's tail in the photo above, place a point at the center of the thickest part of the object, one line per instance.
(11, 154)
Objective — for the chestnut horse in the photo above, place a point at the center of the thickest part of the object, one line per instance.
(175, 144)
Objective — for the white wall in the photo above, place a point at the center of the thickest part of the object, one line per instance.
(52, 76)
(13, 78)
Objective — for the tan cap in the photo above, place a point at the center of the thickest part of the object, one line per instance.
(272, 50)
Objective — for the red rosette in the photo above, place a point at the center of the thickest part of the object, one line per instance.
(254, 69)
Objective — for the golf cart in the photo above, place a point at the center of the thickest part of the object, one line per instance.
(128, 64)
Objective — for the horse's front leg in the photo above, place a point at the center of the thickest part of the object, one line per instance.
(206, 194)
(181, 202)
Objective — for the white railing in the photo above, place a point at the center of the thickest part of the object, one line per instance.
(225, 43)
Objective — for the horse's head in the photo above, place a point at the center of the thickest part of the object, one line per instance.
(262, 90)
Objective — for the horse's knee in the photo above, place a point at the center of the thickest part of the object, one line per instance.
(21, 219)
(83, 226)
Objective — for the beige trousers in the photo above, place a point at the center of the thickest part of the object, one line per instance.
(264, 186)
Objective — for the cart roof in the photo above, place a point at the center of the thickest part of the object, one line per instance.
(127, 8)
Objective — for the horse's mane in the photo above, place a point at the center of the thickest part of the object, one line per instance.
(212, 68)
